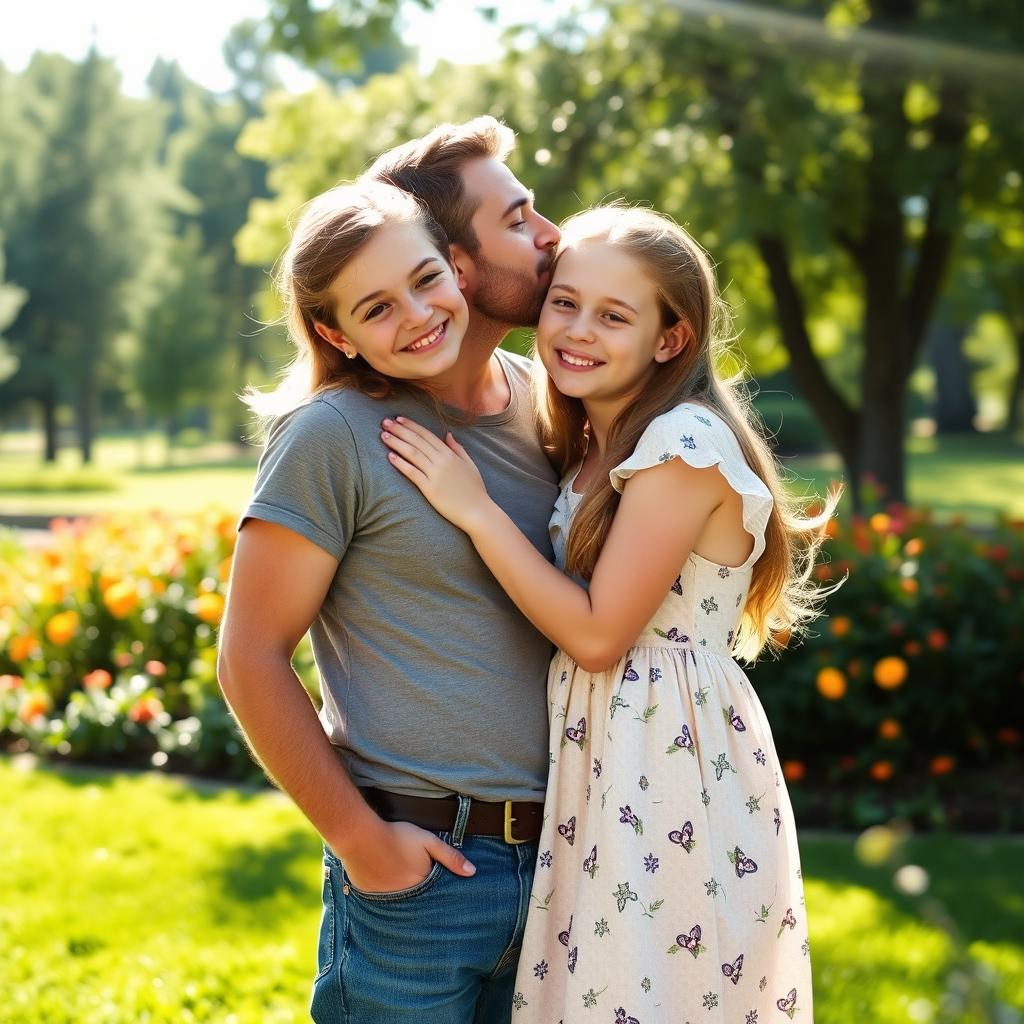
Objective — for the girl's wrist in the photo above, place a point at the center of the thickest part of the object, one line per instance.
(480, 518)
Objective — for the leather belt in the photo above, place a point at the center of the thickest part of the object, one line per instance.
(514, 821)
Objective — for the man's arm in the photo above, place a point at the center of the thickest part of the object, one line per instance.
(278, 583)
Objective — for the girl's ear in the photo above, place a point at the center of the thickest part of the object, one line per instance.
(673, 341)
(335, 338)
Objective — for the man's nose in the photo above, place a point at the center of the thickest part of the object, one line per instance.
(547, 234)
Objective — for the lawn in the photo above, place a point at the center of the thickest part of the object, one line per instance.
(973, 476)
(140, 897)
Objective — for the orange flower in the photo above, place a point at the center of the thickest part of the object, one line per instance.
(1008, 736)
(145, 709)
(890, 673)
(822, 572)
(155, 668)
(210, 607)
(914, 547)
(908, 585)
(98, 679)
(9, 682)
(840, 626)
(911, 648)
(890, 729)
(880, 522)
(831, 684)
(881, 771)
(62, 627)
(224, 570)
(937, 640)
(941, 765)
(793, 771)
(33, 706)
(121, 598)
(123, 659)
(21, 647)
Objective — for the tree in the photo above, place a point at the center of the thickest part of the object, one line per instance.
(179, 352)
(79, 231)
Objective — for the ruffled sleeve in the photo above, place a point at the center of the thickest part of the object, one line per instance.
(701, 439)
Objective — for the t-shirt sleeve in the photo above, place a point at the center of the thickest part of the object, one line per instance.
(309, 478)
(702, 439)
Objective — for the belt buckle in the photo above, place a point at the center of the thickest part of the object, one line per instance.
(509, 838)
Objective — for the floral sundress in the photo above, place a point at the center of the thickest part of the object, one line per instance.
(668, 885)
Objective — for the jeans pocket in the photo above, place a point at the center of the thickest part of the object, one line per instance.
(402, 894)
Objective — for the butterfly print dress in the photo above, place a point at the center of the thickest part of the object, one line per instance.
(668, 884)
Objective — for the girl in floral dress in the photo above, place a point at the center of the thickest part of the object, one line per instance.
(668, 886)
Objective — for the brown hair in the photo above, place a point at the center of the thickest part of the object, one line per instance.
(781, 597)
(332, 229)
(430, 169)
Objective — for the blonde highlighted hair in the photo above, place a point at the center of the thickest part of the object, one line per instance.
(332, 229)
(782, 598)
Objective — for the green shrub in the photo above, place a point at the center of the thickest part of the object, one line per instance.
(902, 699)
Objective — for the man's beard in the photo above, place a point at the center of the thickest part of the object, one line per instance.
(510, 296)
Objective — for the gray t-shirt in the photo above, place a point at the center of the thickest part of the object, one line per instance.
(433, 681)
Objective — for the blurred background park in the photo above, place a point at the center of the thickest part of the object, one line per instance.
(855, 168)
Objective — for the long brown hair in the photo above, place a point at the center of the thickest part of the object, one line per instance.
(332, 229)
(781, 599)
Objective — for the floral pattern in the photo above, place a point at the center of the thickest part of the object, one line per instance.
(695, 901)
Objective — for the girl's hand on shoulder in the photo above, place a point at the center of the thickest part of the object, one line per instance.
(442, 470)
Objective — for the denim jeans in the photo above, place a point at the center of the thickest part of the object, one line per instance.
(442, 952)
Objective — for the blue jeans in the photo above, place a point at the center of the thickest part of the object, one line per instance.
(442, 952)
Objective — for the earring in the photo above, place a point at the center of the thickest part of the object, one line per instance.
(350, 355)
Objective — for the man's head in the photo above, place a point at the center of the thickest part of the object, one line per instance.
(500, 243)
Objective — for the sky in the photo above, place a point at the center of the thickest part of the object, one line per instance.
(136, 32)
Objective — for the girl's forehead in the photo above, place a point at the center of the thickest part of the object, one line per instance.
(590, 262)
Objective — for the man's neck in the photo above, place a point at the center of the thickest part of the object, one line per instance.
(477, 384)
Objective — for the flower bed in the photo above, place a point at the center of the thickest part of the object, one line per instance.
(107, 642)
(906, 698)
(903, 701)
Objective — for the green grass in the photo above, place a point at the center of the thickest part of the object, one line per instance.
(977, 477)
(129, 898)
(973, 476)
(128, 473)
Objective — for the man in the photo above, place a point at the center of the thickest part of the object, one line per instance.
(426, 776)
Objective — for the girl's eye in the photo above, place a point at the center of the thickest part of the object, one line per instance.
(374, 311)
(428, 279)
(562, 303)
(615, 318)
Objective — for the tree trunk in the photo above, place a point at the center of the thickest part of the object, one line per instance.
(839, 420)
(955, 406)
(48, 401)
(86, 413)
(1015, 406)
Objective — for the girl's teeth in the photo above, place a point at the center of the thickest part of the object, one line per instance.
(576, 361)
(428, 340)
